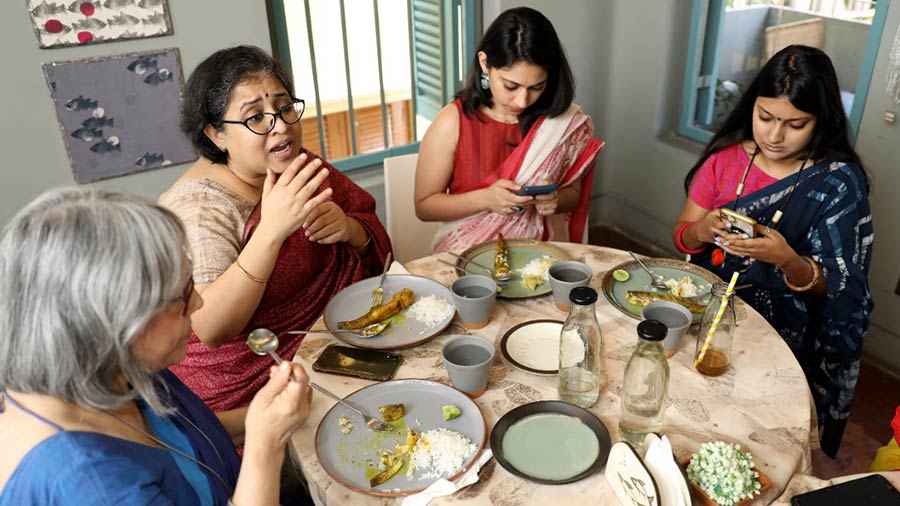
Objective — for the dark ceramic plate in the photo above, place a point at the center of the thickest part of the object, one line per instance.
(551, 407)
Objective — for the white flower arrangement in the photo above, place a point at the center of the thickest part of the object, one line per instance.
(724, 473)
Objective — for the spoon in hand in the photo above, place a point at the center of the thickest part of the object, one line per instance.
(265, 342)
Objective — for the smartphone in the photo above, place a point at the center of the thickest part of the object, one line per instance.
(738, 223)
(537, 190)
(366, 364)
(873, 489)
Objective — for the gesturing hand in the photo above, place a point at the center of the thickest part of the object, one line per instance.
(327, 224)
(501, 197)
(288, 199)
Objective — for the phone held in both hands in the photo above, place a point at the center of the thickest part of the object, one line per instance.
(738, 223)
(366, 364)
(872, 489)
(536, 190)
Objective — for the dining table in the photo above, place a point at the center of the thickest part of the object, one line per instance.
(762, 402)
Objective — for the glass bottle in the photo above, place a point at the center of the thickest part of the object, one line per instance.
(579, 350)
(718, 354)
(645, 386)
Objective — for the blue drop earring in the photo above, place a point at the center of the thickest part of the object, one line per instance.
(485, 83)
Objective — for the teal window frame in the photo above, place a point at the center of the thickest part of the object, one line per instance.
(701, 71)
(452, 24)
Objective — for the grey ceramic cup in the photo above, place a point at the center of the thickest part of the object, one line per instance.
(474, 298)
(468, 361)
(674, 316)
(564, 276)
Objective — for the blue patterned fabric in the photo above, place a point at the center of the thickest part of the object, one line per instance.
(76, 468)
(828, 219)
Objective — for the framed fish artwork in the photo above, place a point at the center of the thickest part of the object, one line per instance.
(119, 114)
(79, 22)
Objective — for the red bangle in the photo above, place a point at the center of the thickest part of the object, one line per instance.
(680, 243)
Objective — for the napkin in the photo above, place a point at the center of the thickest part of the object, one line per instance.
(659, 460)
(443, 487)
(397, 268)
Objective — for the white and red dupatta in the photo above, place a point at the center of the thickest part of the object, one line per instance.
(561, 150)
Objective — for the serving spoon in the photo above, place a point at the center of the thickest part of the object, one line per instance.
(265, 342)
(365, 332)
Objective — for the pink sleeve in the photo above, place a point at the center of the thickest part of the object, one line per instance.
(703, 188)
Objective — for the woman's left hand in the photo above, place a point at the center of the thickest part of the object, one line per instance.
(328, 224)
(547, 203)
(768, 246)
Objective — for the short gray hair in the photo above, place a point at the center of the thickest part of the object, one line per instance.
(82, 273)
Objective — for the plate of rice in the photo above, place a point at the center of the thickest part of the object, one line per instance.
(443, 448)
(529, 260)
(430, 313)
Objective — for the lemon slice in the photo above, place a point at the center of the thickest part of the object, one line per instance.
(621, 275)
(450, 412)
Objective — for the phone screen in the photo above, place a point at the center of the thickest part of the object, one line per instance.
(366, 364)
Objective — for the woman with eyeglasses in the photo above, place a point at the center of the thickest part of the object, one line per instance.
(96, 298)
(274, 231)
(783, 158)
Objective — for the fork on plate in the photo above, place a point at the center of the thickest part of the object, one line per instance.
(378, 293)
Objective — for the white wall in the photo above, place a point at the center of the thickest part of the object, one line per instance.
(34, 156)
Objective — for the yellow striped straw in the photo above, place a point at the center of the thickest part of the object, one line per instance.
(715, 323)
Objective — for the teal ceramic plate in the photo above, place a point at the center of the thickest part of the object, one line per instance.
(521, 251)
(638, 280)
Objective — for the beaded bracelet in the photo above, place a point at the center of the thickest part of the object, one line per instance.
(815, 279)
(680, 242)
(251, 277)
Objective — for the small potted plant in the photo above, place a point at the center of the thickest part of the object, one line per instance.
(722, 474)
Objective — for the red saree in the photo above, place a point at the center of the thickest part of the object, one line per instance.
(306, 276)
(561, 150)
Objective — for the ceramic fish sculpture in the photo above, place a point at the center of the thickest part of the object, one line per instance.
(644, 298)
(80, 103)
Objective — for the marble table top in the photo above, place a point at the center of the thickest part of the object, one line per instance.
(762, 402)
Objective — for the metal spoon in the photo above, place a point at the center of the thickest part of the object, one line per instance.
(365, 332)
(506, 276)
(265, 342)
(655, 279)
(371, 422)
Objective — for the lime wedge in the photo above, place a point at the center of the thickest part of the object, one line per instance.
(450, 412)
(621, 275)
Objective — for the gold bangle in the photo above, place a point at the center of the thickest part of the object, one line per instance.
(815, 279)
(237, 261)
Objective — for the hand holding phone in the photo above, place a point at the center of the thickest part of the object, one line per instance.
(536, 190)
(738, 223)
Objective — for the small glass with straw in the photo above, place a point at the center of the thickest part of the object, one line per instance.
(713, 354)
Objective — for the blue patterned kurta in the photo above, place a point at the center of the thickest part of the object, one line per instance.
(828, 219)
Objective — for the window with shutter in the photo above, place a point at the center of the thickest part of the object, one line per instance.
(368, 77)
(719, 67)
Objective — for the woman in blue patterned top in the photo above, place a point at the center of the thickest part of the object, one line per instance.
(96, 297)
(783, 157)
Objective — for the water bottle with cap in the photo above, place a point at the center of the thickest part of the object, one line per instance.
(645, 386)
(579, 350)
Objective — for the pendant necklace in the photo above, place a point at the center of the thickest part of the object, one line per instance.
(779, 213)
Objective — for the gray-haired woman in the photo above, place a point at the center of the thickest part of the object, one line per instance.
(95, 298)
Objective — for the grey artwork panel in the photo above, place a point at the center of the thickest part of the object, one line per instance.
(61, 23)
(119, 114)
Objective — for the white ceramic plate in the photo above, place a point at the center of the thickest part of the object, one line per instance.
(533, 346)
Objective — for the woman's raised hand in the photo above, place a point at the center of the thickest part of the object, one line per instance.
(280, 407)
(288, 199)
(501, 197)
(327, 224)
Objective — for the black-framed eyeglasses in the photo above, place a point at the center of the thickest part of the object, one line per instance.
(186, 295)
(263, 122)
